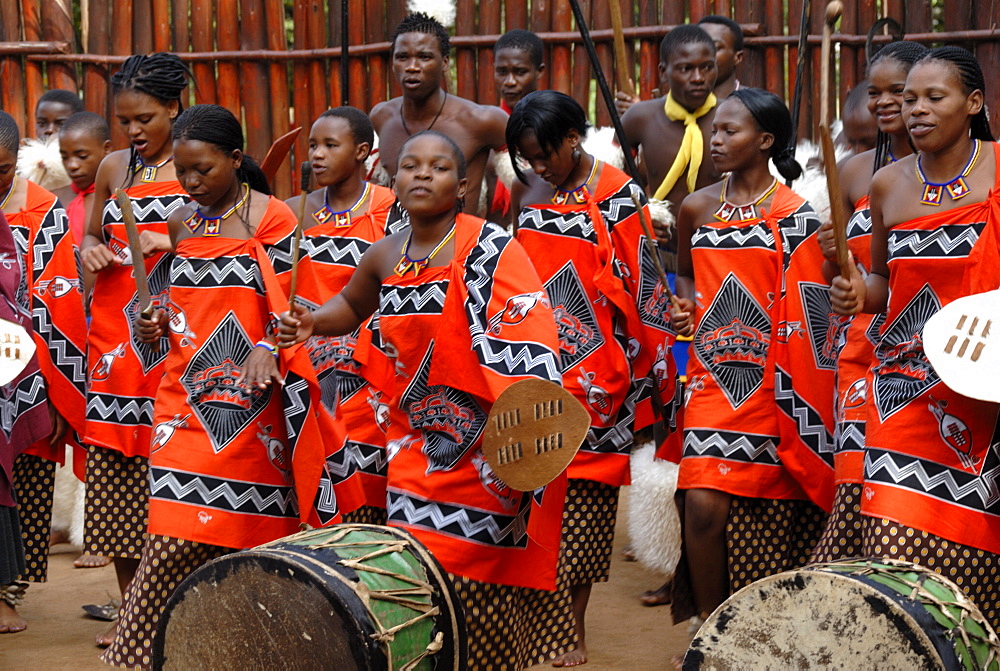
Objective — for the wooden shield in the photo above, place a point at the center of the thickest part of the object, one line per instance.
(962, 342)
(16, 349)
(533, 432)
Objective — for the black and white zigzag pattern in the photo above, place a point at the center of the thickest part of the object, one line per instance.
(810, 425)
(480, 526)
(756, 235)
(19, 399)
(951, 485)
(69, 359)
(337, 251)
(619, 206)
(232, 496)
(357, 457)
(654, 307)
(114, 409)
(744, 447)
(397, 220)
(849, 436)
(225, 271)
(296, 404)
(860, 224)
(506, 358)
(570, 225)
(54, 226)
(421, 299)
(159, 285)
(819, 321)
(953, 241)
(797, 227)
(619, 438)
(280, 253)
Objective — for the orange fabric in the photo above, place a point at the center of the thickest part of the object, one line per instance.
(124, 373)
(612, 314)
(760, 380)
(455, 345)
(335, 252)
(52, 292)
(76, 210)
(932, 457)
(229, 465)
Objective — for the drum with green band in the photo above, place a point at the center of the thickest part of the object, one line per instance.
(349, 596)
(870, 613)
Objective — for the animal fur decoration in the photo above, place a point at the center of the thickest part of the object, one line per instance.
(40, 162)
(654, 525)
(811, 185)
(443, 11)
(375, 172)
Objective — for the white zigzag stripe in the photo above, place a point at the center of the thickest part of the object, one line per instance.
(344, 251)
(432, 514)
(144, 207)
(577, 223)
(19, 400)
(985, 486)
(800, 413)
(393, 301)
(49, 234)
(57, 348)
(728, 448)
(208, 495)
(919, 241)
(739, 236)
(352, 458)
(244, 273)
(117, 409)
(850, 433)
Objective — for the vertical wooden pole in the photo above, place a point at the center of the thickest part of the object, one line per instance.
(316, 35)
(582, 71)
(464, 60)
(699, 9)
(358, 77)
(253, 76)
(179, 20)
(96, 92)
(12, 93)
(335, 33)
(201, 40)
(300, 84)
(57, 25)
(649, 51)
(227, 85)
(121, 44)
(489, 24)
(34, 86)
(752, 72)
(850, 73)
(278, 83)
(376, 30)
(988, 53)
(161, 22)
(546, 15)
(142, 26)
(600, 14)
(774, 56)
(516, 13)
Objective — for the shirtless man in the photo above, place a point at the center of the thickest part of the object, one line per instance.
(728, 38)
(687, 70)
(420, 59)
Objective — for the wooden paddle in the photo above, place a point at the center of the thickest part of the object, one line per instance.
(838, 214)
(296, 244)
(278, 152)
(138, 260)
(621, 60)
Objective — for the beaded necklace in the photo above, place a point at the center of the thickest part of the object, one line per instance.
(580, 194)
(213, 224)
(10, 192)
(147, 172)
(743, 212)
(956, 188)
(341, 219)
(406, 263)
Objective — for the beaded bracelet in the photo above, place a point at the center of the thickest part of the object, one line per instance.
(273, 349)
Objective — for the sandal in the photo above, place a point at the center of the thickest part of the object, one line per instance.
(108, 612)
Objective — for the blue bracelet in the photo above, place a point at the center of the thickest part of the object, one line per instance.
(269, 347)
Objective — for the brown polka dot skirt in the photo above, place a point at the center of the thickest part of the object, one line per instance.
(976, 571)
(366, 515)
(34, 482)
(116, 501)
(514, 627)
(164, 565)
(588, 532)
(768, 536)
(841, 538)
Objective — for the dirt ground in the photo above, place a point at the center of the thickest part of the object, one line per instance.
(622, 633)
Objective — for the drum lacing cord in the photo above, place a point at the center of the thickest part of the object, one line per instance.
(919, 593)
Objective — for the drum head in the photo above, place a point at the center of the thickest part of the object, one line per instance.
(809, 619)
(534, 430)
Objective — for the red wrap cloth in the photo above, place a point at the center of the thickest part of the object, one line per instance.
(760, 382)
(612, 315)
(52, 293)
(453, 347)
(932, 458)
(335, 251)
(77, 212)
(124, 373)
(230, 465)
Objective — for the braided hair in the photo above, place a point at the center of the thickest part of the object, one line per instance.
(971, 75)
(161, 76)
(772, 117)
(905, 53)
(215, 125)
(10, 136)
(418, 22)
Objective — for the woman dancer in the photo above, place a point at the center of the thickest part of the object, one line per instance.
(755, 437)
(934, 240)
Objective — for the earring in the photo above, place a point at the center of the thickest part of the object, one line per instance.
(576, 154)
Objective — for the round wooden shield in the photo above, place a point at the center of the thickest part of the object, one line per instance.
(16, 349)
(962, 342)
(534, 430)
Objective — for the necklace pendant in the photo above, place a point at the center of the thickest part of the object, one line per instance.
(212, 227)
(193, 223)
(958, 188)
(581, 195)
(747, 212)
(322, 215)
(932, 194)
(148, 173)
(342, 219)
(725, 212)
(402, 267)
(560, 197)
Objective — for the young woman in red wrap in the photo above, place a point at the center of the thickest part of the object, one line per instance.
(461, 316)
(758, 416)
(854, 338)
(123, 371)
(582, 231)
(931, 455)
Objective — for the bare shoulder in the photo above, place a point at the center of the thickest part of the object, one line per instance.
(383, 111)
(114, 166)
(856, 174)
(644, 110)
(701, 200)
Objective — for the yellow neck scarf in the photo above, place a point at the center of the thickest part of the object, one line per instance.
(692, 148)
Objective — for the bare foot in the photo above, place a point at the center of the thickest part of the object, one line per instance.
(628, 553)
(58, 537)
(10, 621)
(574, 657)
(657, 597)
(677, 662)
(108, 637)
(91, 561)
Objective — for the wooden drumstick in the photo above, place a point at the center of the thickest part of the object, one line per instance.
(621, 60)
(653, 252)
(296, 243)
(838, 214)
